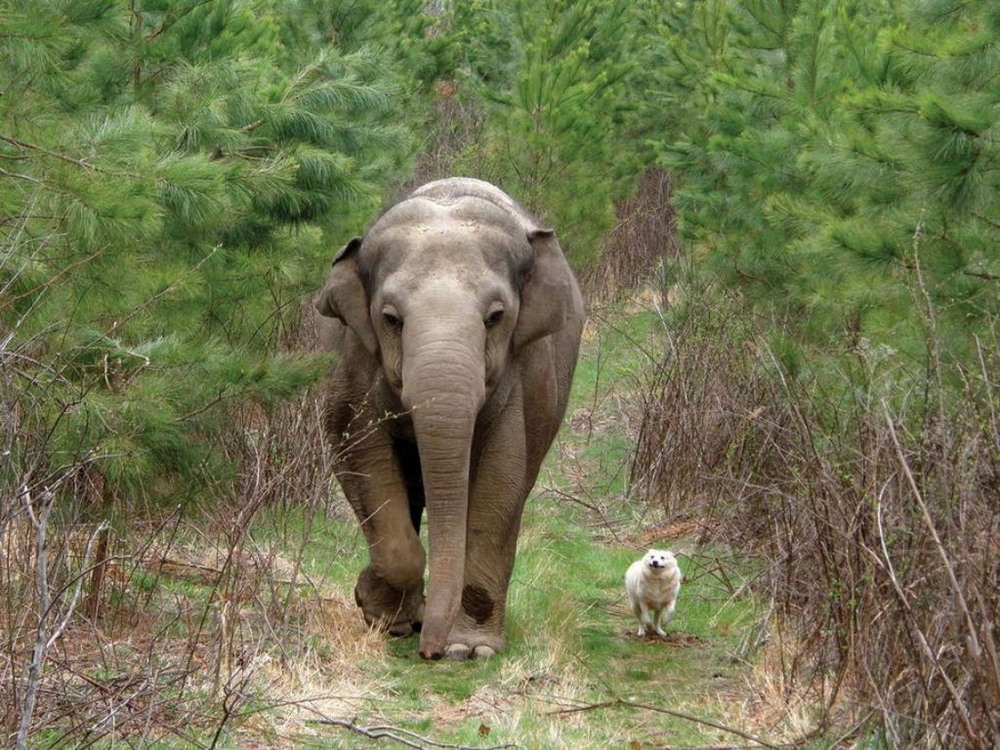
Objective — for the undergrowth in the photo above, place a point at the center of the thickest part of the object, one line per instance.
(869, 485)
(840, 571)
(837, 525)
(232, 625)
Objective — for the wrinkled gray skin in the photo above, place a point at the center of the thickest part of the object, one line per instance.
(458, 323)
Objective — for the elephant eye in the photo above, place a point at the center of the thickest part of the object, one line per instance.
(392, 320)
(493, 318)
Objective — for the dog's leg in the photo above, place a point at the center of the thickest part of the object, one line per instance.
(637, 611)
(659, 622)
(664, 618)
(643, 614)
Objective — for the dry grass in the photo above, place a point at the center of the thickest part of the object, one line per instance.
(187, 625)
(876, 523)
(194, 643)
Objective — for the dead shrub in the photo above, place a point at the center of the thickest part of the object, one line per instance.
(877, 513)
(124, 621)
(644, 236)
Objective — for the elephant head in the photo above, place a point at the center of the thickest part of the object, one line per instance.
(444, 292)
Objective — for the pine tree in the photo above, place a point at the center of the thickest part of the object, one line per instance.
(555, 79)
(173, 181)
(833, 160)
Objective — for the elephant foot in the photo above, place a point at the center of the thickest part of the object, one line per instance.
(471, 642)
(463, 652)
(400, 613)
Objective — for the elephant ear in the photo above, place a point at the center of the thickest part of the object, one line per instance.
(547, 293)
(344, 295)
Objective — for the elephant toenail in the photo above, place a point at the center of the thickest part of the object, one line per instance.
(457, 652)
(482, 653)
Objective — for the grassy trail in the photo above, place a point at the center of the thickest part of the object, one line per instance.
(574, 675)
(236, 627)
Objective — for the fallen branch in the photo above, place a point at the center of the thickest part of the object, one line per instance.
(402, 736)
(619, 703)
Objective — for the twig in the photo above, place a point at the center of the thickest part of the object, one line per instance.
(46, 634)
(605, 521)
(44, 641)
(169, 561)
(619, 703)
(908, 610)
(86, 568)
(973, 640)
(41, 634)
(984, 275)
(402, 736)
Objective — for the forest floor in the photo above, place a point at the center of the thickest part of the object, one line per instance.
(257, 643)
(574, 675)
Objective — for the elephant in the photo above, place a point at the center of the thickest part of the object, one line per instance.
(456, 321)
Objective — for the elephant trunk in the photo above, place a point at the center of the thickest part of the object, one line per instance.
(444, 386)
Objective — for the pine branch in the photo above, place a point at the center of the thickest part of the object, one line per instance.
(20, 176)
(987, 220)
(68, 159)
(64, 272)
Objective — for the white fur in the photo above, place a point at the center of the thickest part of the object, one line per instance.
(652, 584)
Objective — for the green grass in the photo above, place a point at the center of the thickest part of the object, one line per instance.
(571, 639)
(574, 675)
(572, 645)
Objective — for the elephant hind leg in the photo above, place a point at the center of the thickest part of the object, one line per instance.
(409, 463)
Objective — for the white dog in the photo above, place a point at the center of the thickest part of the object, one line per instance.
(652, 584)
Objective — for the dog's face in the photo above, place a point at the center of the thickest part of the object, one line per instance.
(658, 559)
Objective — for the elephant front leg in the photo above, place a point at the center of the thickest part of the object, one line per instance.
(495, 504)
(398, 610)
(390, 590)
(478, 632)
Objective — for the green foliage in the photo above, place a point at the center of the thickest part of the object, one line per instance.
(405, 29)
(837, 161)
(173, 180)
(555, 80)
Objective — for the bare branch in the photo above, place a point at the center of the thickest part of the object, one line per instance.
(402, 736)
(619, 703)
